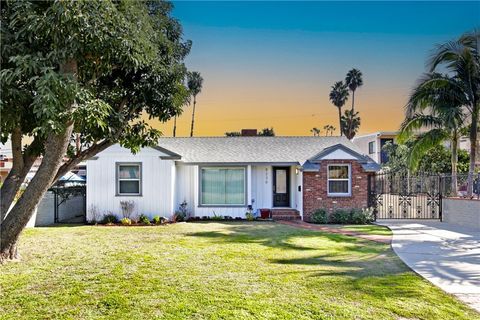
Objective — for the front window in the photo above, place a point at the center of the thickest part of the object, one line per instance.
(129, 177)
(222, 186)
(339, 180)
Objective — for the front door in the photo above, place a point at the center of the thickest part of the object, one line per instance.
(281, 187)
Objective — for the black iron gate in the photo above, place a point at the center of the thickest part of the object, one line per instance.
(404, 196)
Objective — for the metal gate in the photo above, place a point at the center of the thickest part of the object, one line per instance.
(403, 196)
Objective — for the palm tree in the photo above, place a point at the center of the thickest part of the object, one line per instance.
(461, 58)
(354, 80)
(329, 129)
(174, 125)
(437, 107)
(350, 122)
(194, 84)
(338, 96)
(315, 131)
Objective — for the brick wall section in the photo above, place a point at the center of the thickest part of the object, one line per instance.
(315, 189)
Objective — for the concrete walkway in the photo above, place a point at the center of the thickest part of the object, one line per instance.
(445, 254)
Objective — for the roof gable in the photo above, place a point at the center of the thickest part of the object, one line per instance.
(338, 152)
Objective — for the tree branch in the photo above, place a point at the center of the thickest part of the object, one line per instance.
(85, 154)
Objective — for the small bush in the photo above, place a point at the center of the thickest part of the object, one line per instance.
(159, 220)
(320, 216)
(109, 219)
(126, 221)
(249, 216)
(179, 216)
(143, 219)
(341, 216)
(362, 216)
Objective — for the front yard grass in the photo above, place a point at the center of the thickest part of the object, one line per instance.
(371, 229)
(213, 270)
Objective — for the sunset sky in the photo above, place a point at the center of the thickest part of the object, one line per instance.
(271, 64)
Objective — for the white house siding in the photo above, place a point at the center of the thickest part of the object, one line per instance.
(158, 183)
(185, 186)
(259, 189)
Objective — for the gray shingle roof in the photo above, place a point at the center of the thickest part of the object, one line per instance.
(251, 149)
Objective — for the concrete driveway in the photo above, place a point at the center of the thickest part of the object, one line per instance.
(445, 254)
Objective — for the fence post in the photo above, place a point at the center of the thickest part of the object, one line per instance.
(440, 198)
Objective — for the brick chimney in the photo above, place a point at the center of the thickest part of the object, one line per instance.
(249, 133)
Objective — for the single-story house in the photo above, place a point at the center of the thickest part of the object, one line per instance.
(292, 176)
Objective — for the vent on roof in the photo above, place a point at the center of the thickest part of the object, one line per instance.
(249, 132)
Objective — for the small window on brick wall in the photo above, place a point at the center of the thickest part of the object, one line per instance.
(339, 180)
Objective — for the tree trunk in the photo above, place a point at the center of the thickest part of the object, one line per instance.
(18, 217)
(55, 148)
(22, 164)
(454, 164)
(193, 116)
(340, 120)
(353, 101)
(175, 126)
(473, 148)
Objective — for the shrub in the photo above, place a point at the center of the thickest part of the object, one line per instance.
(126, 221)
(215, 217)
(178, 216)
(93, 214)
(320, 216)
(249, 216)
(143, 219)
(362, 216)
(341, 216)
(127, 208)
(159, 220)
(109, 218)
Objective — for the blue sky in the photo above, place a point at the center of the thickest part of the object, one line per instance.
(272, 63)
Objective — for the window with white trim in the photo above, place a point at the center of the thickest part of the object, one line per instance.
(371, 147)
(129, 179)
(339, 180)
(223, 186)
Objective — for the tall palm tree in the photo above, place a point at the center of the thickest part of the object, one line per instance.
(338, 96)
(315, 131)
(194, 84)
(329, 129)
(437, 107)
(461, 58)
(350, 123)
(174, 125)
(354, 80)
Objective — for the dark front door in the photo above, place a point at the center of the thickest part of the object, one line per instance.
(281, 187)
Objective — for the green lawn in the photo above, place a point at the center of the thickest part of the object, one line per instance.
(368, 229)
(235, 270)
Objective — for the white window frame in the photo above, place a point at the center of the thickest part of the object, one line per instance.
(200, 173)
(118, 179)
(349, 179)
(371, 143)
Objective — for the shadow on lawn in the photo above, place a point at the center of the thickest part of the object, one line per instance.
(281, 236)
(357, 264)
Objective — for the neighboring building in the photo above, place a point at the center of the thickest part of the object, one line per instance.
(6, 160)
(293, 176)
(372, 144)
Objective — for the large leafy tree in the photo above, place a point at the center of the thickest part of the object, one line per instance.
(461, 59)
(436, 108)
(338, 96)
(86, 71)
(194, 83)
